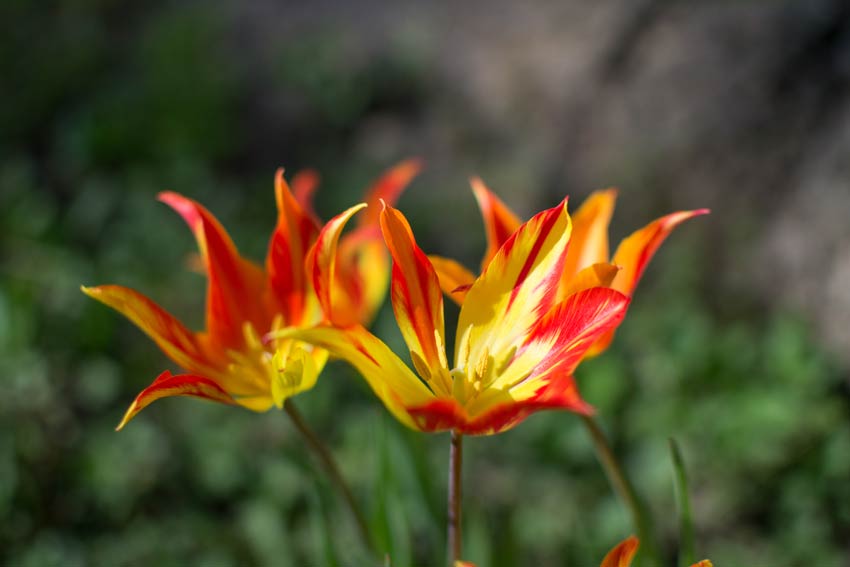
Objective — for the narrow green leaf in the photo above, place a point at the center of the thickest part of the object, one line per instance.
(686, 525)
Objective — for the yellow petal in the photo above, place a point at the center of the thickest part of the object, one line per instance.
(597, 275)
(518, 287)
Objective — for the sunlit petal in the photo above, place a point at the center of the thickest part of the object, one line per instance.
(416, 296)
(391, 380)
(589, 244)
(388, 189)
(167, 385)
(518, 287)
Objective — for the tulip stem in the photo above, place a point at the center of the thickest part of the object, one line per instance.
(622, 486)
(326, 458)
(455, 496)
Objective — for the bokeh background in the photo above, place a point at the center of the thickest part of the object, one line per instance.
(736, 344)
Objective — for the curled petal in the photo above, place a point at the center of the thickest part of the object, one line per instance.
(323, 263)
(635, 252)
(176, 341)
(416, 297)
(589, 243)
(388, 189)
(499, 221)
(622, 555)
(518, 287)
(231, 278)
(288, 248)
(455, 279)
(391, 380)
(167, 385)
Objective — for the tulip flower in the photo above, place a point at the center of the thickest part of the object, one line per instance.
(520, 334)
(229, 362)
(587, 256)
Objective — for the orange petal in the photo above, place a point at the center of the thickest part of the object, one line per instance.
(303, 185)
(288, 248)
(518, 287)
(236, 286)
(388, 189)
(703, 563)
(635, 252)
(597, 275)
(589, 244)
(181, 385)
(622, 555)
(391, 380)
(176, 341)
(323, 263)
(416, 297)
(455, 279)
(499, 221)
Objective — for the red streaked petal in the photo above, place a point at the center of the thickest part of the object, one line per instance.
(167, 385)
(558, 342)
(323, 263)
(236, 286)
(303, 185)
(388, 189)
(635, 252)
(622, 555)
(290, 242)
(391, 380)
(177, 342)
(455, 279)
(499, 221)
(416, 296)
(518, 287)
(589, 243)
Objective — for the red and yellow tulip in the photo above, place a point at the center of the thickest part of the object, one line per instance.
(520, 333)
(230, 362)
(587, 257)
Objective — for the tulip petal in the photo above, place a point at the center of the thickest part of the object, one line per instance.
(499, 221)
(323, 263)
(635, 252)
(231, 278)
(540, 372)
(177, 342)
(388, 189)
(518, 287)
(589, 243)
(167, 385)
(597, 275)
(364, 266)
(391, 380)
(455, 279)
(288, 248)
(416, 298)
(622, 555)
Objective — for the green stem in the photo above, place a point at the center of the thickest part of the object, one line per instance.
(455, 496)
(622, 486)
(326, 458)
(686, 526)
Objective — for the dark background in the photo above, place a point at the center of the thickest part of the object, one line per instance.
(736, 344)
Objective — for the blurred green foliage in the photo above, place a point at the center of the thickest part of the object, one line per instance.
(111, 104)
